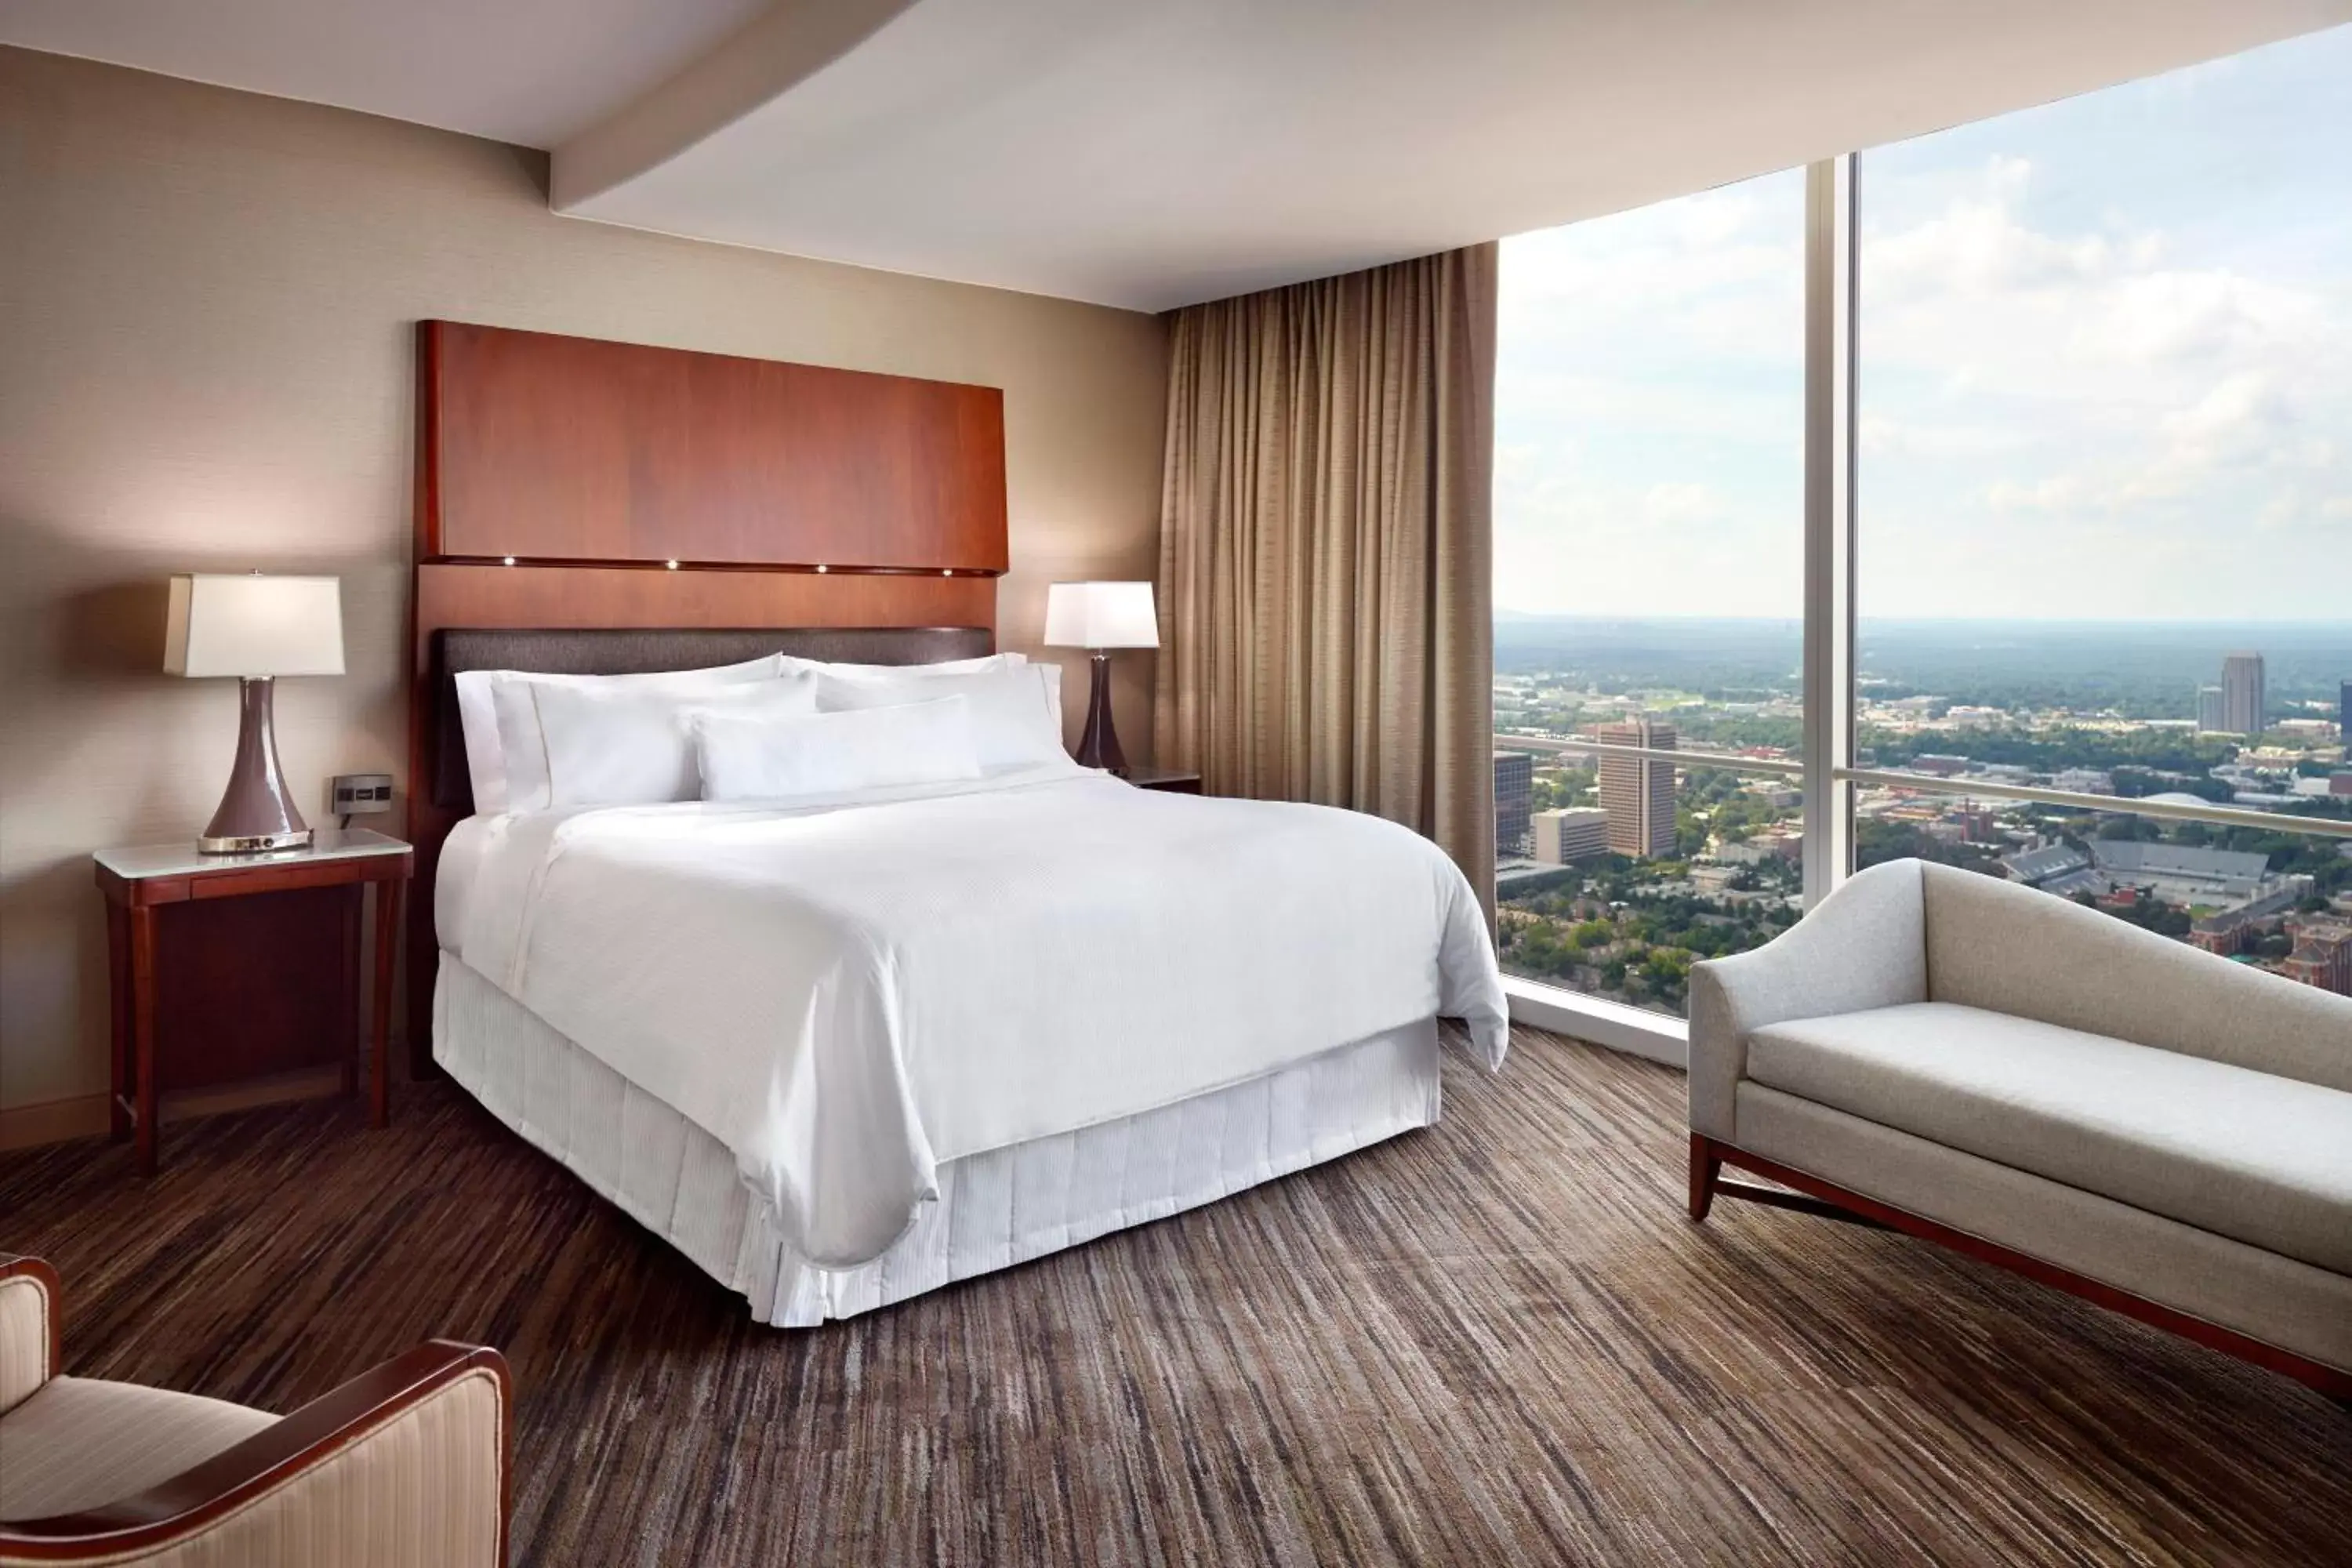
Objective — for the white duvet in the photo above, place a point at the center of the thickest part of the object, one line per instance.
(847, 994)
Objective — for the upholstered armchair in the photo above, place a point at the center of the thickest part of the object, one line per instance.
(405, 1465)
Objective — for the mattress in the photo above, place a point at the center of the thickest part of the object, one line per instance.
(995, 1209)
(848, 991)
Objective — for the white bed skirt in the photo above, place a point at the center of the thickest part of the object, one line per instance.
(995, 1209)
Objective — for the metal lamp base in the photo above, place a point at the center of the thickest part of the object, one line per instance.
(1098, 747)
(253, 842)
(255, 813)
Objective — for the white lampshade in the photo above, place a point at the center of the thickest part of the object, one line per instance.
(1100, 615)
(254, 626)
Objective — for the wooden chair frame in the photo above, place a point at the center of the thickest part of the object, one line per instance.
(208, 1491)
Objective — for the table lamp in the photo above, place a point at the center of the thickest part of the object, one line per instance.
(256, 628)
(1098, 617)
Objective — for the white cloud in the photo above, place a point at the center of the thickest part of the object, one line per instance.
(2059, 492)
(1884, 436)
(2152, 317)
(1673, 504)
(1979, 248)
(2090, 356)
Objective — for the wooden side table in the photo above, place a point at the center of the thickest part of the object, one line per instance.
(139, 881)
(1165, 779)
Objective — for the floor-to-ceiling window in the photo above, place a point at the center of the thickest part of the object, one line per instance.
(1649, 520)
(2104, 542)
(2099, 546)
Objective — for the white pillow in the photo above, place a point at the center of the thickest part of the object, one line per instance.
(478, 717)
(1016, 717)
(621, 745)
(1051, 675)
(746, 756)
(943, 666)
(524, 749)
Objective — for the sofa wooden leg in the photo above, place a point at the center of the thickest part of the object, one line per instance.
(1808, 1194)
(1705, 1167)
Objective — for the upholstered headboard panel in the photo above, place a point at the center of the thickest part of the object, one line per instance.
(635, 650)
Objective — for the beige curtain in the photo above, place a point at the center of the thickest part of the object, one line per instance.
(1326, 545)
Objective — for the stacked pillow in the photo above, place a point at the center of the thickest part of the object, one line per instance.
(783, 757)
(1015, 712)
(631, 746)
(772, 728)
(503, 739)
(880, 726)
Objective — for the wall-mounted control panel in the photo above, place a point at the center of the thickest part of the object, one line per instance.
(355, 793)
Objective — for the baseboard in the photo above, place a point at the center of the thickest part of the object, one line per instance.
(52, 1121)
(84, 1115)
(1637, 1031)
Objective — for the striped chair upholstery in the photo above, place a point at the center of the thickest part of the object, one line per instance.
(404, 1466)
(28, 1331)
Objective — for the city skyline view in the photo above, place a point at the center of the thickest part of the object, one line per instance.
(2147, 670)
(2103, 538)
(2101, 344)
(1619, 873)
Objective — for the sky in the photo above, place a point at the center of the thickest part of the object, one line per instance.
(2106, 372)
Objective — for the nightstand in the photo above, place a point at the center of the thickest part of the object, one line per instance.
(1166, 780)
(140, 882)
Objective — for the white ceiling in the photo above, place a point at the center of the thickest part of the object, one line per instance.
(1152, 153)
(527, 71)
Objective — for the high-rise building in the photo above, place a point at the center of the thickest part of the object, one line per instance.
(1515, 791)
(2344, 713)
(2243, 709)
(1638, 793)
(1569, 834)
(2208, 708)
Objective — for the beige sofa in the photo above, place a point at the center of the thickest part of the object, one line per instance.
(403, 1467)
(2163, 1132)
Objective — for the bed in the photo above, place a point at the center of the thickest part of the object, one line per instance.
(842, 1050)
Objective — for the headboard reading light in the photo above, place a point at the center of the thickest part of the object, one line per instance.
(553, 448)
(675, 564)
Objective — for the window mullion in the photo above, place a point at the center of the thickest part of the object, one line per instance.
(1830, 363)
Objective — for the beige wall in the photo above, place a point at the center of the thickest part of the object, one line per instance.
(206, 301)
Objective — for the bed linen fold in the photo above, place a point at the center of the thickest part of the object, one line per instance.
(848, 993)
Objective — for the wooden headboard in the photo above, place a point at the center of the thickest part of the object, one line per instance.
(570, 484)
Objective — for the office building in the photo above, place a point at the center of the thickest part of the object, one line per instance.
(2208, 708)
(1515, 783)
(1569, 834)
(1638, 793)
(2243, 706)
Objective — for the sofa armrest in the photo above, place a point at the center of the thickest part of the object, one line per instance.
(32, 1328)
(1864, 946)
(405, 1463)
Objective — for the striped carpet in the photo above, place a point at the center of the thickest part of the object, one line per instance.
(1495, 1342)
